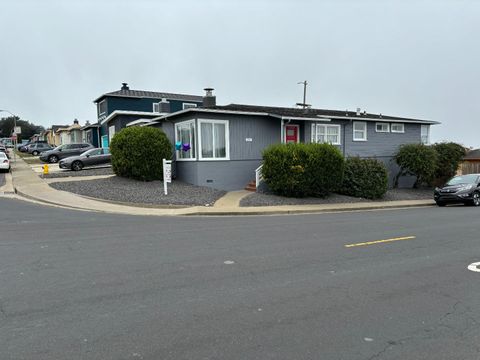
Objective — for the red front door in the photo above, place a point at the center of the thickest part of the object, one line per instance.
(291, 134)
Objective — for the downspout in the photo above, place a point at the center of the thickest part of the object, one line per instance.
(281, 131)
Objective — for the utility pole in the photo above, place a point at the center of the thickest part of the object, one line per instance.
(304, 104)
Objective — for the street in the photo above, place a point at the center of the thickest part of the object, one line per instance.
(85, 285)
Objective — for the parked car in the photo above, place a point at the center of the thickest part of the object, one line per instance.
(64, 151)
(37, 148)
(24, 147)
(459, 189)
(3, 150)
(4, 162)
(88, 158)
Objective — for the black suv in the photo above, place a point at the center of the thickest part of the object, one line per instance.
(64, 151)
(459, 189)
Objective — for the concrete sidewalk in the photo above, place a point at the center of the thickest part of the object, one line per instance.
(28, 184)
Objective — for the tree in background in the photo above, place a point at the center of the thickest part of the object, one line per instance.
(28, 129)
(449, 155)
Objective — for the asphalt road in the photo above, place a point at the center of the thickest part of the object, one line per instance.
(80, 285)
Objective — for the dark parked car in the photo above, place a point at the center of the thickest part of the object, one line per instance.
(459, 189)
(88, 158)
(37, 148)
(64, 151)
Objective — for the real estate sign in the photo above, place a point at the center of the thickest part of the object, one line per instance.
(167, 174)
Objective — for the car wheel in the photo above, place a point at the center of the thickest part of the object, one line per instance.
(35, 153)
(440, 203)
(53, 159)
(476, 199)
(77, 166)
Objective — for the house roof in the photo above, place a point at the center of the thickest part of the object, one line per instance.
(150, 94)
(128, 112)
(299, 114)
(472, 155)
(96, 125)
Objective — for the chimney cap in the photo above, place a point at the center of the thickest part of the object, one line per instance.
(125, 86)
(75, 121)
(208, 91)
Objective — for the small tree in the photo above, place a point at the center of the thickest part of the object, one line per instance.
(416, 159)
(137, 153)
(449, 156)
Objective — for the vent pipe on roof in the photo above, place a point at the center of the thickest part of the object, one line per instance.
(209, 100)
(125, 86)
(75, 122)
(358, 111)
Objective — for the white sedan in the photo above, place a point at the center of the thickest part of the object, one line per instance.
(4, 162)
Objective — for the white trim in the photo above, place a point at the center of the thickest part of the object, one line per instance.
(298, 132)
(398, 132)
(157, 104)
(365, 131)
(382, 131)
(195, 148)
(358, 118)
(190, 105)
(282, 130)
(227, 139)
(427, 135)
(325, 126)
(137, 122)
(125, 112)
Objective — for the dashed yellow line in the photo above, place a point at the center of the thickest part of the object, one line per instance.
(380, 241)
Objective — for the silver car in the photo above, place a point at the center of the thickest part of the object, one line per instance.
(88, 158)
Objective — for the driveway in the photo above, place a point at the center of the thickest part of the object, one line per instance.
(78, 285)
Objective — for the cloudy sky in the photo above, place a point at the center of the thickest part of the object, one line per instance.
(406, 58)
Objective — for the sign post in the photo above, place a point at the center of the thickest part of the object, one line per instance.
(167, 174)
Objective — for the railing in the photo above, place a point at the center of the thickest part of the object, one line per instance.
(258, 176)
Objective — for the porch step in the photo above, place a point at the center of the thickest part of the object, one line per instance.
(251, 186)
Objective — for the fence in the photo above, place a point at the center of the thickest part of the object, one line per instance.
(470, 167)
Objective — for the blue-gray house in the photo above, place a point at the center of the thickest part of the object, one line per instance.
(119, 109)
(221, 146)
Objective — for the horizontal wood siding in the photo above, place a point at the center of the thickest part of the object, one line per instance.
(380, 144)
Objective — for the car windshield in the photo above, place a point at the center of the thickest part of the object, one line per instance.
(464, 179)
(91, 152)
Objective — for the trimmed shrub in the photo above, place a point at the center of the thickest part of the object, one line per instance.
(299, 170)
(365, 178)
(449, 156)
(137, 153)
(416, 159)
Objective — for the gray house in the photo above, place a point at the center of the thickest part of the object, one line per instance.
(221, 146)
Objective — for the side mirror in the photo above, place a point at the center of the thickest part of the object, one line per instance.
(88, 155)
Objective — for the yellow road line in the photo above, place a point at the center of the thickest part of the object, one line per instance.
(380, 241)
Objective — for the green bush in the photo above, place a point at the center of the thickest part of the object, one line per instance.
(137, 153)
(416, 159)
(299, 170)
(365, 178)
(449, 156)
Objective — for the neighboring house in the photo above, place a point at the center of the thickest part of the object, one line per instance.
(471, 162)
(70, 134)
(117, 109)
(91, 134)
(51, 134)
(221, 146)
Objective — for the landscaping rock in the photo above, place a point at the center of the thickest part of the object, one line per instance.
(84, 172)
(138, 192)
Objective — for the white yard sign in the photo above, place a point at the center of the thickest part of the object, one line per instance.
(167, 174)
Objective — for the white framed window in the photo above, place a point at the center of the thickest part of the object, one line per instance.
(397, 128)
(382, 127)
(213, 139)
(189, 105)
(322, 133)
(156, 107)
(185, 138)
(359, 131)
(425, 134)
(102, 107)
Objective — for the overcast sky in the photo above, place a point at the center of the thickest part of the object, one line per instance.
(407, 58)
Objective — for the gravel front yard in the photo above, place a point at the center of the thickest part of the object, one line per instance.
(258, 199)
(84, 172)
(139, 192)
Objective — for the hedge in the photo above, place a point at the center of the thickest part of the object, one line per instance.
(299, 170)
(365, 178)
(449, 156)
(137, 153)
(416, 159)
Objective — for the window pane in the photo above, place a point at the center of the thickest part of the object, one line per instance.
(220, 144)
(207, 140)
(186, 135)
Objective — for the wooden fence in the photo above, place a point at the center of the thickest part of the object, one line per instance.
(469, 167)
